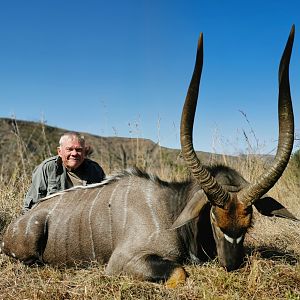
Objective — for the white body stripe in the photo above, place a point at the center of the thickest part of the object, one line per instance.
(148, 195)
(111, 216)
(126, 204)
(90, 223)
(50, 212)
(28, 226)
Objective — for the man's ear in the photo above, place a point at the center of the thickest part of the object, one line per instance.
(269, 207)
(58, 150)
(191, 210)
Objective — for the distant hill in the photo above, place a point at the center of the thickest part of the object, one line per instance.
(25, 144)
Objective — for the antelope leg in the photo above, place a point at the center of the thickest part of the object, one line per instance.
(25, 239)
(150, 267)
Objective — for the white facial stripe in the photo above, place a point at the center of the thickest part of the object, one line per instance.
(238, 240)
(231, 240)
(228, 238)
(213, 216)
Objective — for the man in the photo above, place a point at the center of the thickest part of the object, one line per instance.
(69, 168)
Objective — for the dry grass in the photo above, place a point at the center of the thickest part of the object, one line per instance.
(272, 270)
(260, 279)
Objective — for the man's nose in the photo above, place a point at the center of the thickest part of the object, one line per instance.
(74, 152)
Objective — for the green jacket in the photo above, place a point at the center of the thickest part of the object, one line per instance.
(51, 176)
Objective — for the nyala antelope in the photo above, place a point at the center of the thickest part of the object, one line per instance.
(142, 226)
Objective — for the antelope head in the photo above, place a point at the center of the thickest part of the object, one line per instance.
(231, 212)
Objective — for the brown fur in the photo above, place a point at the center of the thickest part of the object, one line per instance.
(235, 218)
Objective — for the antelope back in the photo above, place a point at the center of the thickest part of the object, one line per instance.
(84, 224)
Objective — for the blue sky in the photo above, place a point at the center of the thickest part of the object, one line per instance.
(122, 68)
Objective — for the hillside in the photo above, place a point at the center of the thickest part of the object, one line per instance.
(26, 143)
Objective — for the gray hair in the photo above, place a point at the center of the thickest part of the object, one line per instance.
(71, 135)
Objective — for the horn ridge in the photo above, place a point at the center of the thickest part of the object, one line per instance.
(215, 193)
(286, 132)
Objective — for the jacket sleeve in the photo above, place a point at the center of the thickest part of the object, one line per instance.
(38, 188)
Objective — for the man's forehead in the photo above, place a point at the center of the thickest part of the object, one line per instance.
(72, 141)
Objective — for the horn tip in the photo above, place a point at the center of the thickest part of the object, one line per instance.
(292, 32)
(200, 40)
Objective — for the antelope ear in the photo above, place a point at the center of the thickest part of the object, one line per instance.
(269, 207)
(191, 210)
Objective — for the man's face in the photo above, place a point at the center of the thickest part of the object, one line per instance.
(72, 153)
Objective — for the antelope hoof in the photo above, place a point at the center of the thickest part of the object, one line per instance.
(177, 277)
